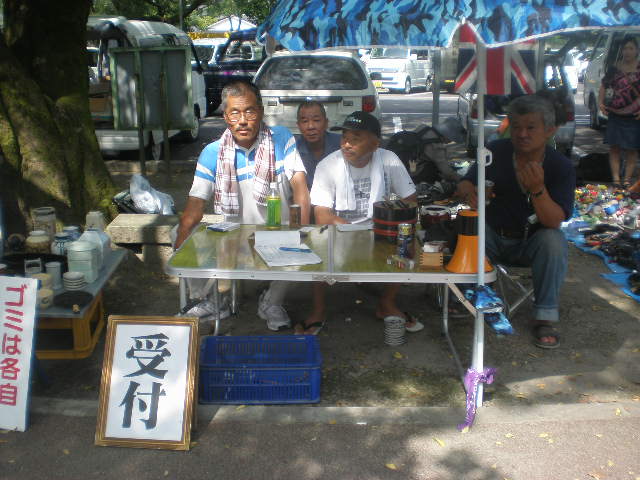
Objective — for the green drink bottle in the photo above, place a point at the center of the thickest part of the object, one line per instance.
(273, 206)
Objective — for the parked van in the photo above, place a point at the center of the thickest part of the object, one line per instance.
(606, 52)
(118, 32)
(401, 69)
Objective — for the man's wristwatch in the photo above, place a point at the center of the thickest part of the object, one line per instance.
(537, 194)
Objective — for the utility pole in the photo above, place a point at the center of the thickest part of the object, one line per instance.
(180, 8)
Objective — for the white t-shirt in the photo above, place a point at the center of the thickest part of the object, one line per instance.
(323, 192)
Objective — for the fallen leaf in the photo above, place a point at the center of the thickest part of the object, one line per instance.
(609, 463)
(240, 407)
(333, 422)
(594, 475)
(166, 473)
(438, 441)
(66, 451)
(391, 466)
(521, 395)
(397, 355)
(596, 308)
(543, 435)
(494, 466)
(465, 429)
(599, 435)
(541, 386)
(534, 355)
(550, 440)
(509, 435)
(618, 412)
(498, 443)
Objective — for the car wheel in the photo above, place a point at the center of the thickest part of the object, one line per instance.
(407, 86)
(190, 136)
(212, 106)
(429, 85)
(594, 121)
(153, 150)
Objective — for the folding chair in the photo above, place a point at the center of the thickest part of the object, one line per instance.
(512, 291)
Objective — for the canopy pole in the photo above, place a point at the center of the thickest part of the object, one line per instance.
(477, 362)
(436, 62)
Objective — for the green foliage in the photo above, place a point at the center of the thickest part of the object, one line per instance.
(197, 13)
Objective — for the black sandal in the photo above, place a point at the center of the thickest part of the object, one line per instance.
(544, 330)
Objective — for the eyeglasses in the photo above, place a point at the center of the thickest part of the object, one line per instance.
(235, 115)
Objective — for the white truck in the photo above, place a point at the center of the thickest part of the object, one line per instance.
(118, 32)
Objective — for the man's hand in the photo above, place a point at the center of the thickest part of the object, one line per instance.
(468, 193)
(191, 217)
(531, 176)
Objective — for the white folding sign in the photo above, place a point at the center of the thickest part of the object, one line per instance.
(17, 312)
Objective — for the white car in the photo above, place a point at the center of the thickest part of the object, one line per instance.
(335, 78)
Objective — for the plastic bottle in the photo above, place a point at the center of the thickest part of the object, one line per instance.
(273, 206)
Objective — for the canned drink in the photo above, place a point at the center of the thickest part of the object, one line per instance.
(295, 216)
(405, 240)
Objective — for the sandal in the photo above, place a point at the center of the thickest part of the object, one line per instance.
(318, 326)
(417, 325)
(544, 331)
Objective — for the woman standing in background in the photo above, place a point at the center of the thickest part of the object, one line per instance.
(619, 98)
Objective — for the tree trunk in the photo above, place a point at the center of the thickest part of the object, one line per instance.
(49, 154)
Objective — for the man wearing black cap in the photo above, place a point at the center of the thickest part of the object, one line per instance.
(345, 187)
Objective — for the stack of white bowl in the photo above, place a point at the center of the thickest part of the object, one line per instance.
(73, 280)
(83, 257)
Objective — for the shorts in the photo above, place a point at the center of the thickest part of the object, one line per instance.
(623, 132)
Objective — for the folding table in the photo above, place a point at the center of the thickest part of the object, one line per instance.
(355, 256)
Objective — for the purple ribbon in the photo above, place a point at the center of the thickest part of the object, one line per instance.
(471, 381)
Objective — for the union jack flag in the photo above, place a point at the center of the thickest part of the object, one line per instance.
(510, 69)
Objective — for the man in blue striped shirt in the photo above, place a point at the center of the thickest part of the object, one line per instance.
(233, 170)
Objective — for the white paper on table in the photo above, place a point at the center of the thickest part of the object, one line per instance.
(268, 245)
(365, 224)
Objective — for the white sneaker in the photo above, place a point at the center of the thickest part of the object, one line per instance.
(205, 308)
(275, 315)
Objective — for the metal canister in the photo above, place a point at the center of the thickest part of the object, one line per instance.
(405, 240)
(295, 216)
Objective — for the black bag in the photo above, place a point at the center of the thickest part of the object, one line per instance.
(593, 168)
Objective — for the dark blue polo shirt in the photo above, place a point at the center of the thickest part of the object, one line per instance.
(510, 208)
(331, 144)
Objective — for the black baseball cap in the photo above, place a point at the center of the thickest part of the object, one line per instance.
(361, 121)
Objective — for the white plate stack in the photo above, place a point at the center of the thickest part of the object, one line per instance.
(73, 280)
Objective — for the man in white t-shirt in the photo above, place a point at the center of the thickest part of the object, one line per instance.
(236, 171)
(345, 186)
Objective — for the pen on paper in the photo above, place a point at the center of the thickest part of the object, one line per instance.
(295, 249)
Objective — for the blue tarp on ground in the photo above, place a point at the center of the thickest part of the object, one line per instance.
(620, 274)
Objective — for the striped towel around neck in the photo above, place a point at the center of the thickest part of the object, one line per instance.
(226, 191)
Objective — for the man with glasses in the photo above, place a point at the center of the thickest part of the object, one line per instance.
(236, 171)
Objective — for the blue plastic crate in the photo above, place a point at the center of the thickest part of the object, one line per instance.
(268, 369)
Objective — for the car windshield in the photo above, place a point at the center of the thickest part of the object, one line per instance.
(312, 73)
(204, 52)
(389, 53)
